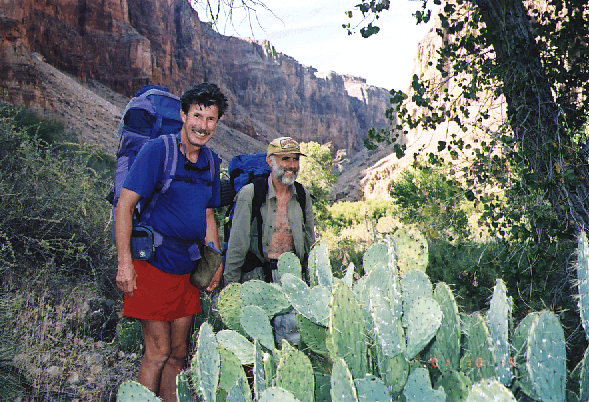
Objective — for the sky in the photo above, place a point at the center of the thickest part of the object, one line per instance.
(311, 32)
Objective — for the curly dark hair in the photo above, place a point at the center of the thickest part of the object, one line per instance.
(204, 94)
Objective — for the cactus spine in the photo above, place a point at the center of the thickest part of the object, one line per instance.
(268, 296)
(312, 303)
(419, 388)
(446, 347)
(490, 391)
(295, 374)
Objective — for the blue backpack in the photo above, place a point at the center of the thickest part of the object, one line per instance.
(153, 112)
(253, 168)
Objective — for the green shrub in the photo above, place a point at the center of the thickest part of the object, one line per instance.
(52, 208)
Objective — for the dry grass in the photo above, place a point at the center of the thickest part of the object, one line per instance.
(58, 358)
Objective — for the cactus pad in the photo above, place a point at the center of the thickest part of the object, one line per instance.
(348, 278)
(394, 372)
(346, 331)
(342, 384)
(424, 319)
(520, 345)
(183, 393)
(230, 373)
(498, 319)
(411, 250)
(319, 266)
(268, 296)
(583, 280)
(388, 329)
(377, 254)
(131, 391)
(230, 306)
(419, 388)
(295, 374)
(238, 344)
(456, 385)
(415, 285)
(312, 303)
(256, 324)
(276, 394)
(446, 347)
(312, 335)
(289, 263)
(208, 363)
(546, 357)
(479, 361)
(490, 391)
(259, 373)
(371, 388)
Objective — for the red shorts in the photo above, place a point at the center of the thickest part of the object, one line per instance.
(161, 296)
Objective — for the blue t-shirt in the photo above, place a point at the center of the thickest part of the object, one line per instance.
(180, 212)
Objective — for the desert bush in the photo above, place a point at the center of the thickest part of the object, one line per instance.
(52, 208)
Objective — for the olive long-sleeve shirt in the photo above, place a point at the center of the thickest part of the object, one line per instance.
(244, 231)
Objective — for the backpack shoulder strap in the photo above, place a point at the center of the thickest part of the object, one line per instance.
(302, 199)
(170, 163)
(211, 159)
(260, 193)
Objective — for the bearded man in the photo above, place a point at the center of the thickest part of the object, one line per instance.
(287, 225)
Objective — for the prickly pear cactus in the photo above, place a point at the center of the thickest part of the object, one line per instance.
(445, 351)
(348, 278)
(419, 388)
(295, 374)
(183, 393)
(520, 345)
(498, 319)
(236, 393)
(230, 373)
(276, 394)
(394, 371)
(584, 377)
(377, 254)
(230, 306)
(319, 266)
(238, 344)
(415, 285)
(546, 357)
(490, 391)
(456, 385)
(268, 296)
(424, 319)
(479, 361)
(289, 263)
(411, 250)
(583, 280)
(312, 335)
(256, 324)
(371, 388)
(259, 373)
(346, 331)
(343, 388)
(208, 364)
(313, 303)
(131, 391)
(389, 330)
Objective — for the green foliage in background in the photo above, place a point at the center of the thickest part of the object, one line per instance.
(425, 198)
(52, 207)
(316, 174)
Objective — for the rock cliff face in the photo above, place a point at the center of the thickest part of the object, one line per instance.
(125, 44)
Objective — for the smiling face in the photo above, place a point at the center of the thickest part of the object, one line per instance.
(199, 125)
(285, 167)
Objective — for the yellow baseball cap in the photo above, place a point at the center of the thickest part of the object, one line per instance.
(284, 145)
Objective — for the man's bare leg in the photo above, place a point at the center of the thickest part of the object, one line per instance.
(180, 336)
(157, 338)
